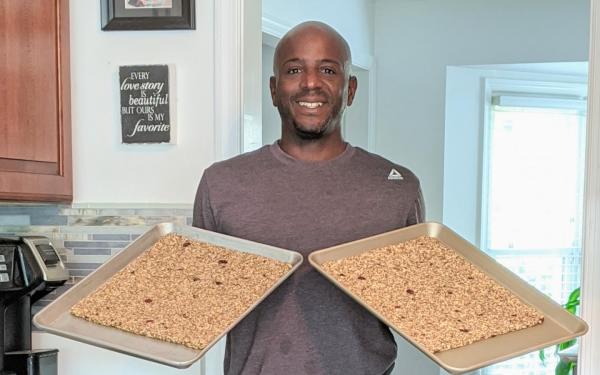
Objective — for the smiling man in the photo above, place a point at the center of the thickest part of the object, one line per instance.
(305, 192)
(311, 88)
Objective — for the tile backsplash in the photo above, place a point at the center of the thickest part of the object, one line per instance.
(86, 236)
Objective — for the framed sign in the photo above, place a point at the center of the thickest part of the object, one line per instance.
(145, 104)
(147, 14)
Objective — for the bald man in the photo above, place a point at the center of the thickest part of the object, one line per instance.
(307, 191)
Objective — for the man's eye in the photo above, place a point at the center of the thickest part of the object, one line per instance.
(328, 70)
(293, 70)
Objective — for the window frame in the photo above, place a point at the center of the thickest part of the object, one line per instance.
(493, 86)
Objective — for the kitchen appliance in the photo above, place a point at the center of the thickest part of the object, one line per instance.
(30, 268)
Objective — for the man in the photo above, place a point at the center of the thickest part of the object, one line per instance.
(308, 191)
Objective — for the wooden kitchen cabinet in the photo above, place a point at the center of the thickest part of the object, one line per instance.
(35, 113)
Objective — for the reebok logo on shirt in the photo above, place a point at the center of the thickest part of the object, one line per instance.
(395, 175)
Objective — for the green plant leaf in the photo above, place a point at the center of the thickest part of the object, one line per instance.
(572, 309)
(571, 304)
(574, 296)
(563, 368)
(542, 355)
(566, 344)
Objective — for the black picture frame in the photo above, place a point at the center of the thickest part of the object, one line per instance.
(122, 15)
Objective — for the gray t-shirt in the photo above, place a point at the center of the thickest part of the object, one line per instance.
(307, 325)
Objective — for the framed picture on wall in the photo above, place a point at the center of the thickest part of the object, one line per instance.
(147, 14)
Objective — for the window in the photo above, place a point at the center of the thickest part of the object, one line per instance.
(532, 196)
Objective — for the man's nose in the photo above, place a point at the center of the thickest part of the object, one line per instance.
(310, 79)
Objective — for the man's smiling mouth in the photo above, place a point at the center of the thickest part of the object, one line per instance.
(311, 105)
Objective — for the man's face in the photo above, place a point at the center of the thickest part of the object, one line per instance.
(311, 86)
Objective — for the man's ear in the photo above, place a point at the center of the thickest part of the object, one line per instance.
(352, 86)
(272, 88)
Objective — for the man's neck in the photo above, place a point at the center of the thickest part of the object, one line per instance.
(313, 150)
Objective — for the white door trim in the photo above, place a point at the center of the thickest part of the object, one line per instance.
(589, 362)
(228, 60)
(228, 85)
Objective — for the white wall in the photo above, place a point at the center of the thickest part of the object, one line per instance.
(351, 18)
(107, 171)
(271, 126)
(416, 40)
(355, 126)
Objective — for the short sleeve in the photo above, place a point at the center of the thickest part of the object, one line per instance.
(417, 211)
(203, 215)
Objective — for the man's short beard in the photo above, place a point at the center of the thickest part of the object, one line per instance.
(309, 135)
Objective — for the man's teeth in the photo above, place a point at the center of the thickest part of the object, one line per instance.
(310, 104)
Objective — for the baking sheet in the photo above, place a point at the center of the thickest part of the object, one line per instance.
(57, 319)
(558, 326)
